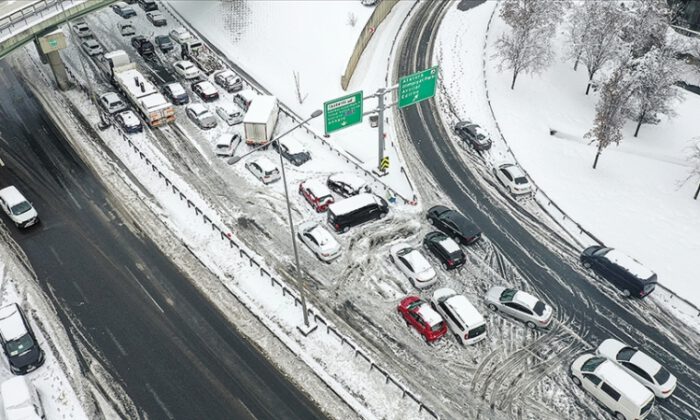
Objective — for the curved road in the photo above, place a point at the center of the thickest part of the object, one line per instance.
(120, 297)
(551, 269)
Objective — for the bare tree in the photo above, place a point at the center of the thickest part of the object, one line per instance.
(610, 111)
(579, 26)
(527, 47)
(297, 84)
(352, 19)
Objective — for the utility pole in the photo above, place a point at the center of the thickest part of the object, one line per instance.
(382, 163)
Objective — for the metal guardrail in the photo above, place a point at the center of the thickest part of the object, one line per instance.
(37, 8)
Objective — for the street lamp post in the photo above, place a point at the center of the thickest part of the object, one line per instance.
(308, 328)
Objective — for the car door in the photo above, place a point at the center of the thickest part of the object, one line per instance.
(518, 311)
(590, 383)
(256, 170)
(405, 266)
(311, 242)
(608, 395)
(638, 373)
(505, 177)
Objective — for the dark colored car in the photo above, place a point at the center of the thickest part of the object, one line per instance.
(473, 135)
(148, 5)
(454, 224)
(165, 43)
(347, 184)
(176, 93)
(142, 45)
(445, 249)
(205, 90)
(18, 341)
(356, 210)
(123, 10)
(624, 272)
(293, 151)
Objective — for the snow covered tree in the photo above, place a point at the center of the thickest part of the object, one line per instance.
(527, 47)
(646, 25)
(610, 111)
(694, 159)
(595, 35)
(655, 93)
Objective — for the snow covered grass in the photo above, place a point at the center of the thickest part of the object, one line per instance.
(633, 201)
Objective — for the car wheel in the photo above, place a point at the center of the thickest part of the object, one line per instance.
(587, 264)
(391, 258)
(576, 380)
(382, 215)
(493, 307)
(620, 416)
(430, 220)
(510, 190)
(626, 293)
(445, 266)
(531, 325)
(345, 229)
(459, 339)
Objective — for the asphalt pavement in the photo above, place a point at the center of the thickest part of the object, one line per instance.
(119, 296)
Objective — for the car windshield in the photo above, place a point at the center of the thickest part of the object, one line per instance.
(507, 295)
(437, 327)
(662, 376)
(601, 252)
(539, 308)
(20, 345)
(475, 332)
(591, 364)
(163, 39)
(21, 208)
(521, 180)
(626, 354)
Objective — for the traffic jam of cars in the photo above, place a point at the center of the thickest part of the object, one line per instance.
(624, 379)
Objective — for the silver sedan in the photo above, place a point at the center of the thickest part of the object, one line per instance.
(521, 305)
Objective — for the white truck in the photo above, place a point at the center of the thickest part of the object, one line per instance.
(200, 54)
(260, 119)
(149, 102)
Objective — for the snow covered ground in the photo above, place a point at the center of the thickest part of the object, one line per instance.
(633, 201)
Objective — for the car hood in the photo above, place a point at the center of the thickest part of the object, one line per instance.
(30, 357)
(609, 348)
(590, 250)
(494, 294)
(27, 215)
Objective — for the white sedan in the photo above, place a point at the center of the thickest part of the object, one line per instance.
(638, 364)
(92, 47)
(414, 265)
(513, 178)
(319, 240)
(186, 69)
(521, 305)
(180, 35)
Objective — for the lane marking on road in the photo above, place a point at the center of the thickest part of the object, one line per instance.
(80, 292)
(74, 200)
(159, 401)
(116, 343)
(1, 163)
(55, 254)
(144, 289)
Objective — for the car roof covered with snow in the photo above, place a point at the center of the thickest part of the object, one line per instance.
(293, 146)
(91, 43)
(513, 170)
(460, 306)
(323, 237)
(351, 203)
(129, 117)
(261, 107)
(176, 88)
(449, 245)
(11, 323)
(317, 188)
(628, 263)
(15, 394)
(228, 107)
(207, 87)
(185, 64)
(225, 139)
(525, 299)
(428, 314)
(624, 382)
(111, 97)
(198, 108)
(354, 181)
(226, 74)
(412, 256)
(610, 347)
(265, 164)
(12, 196)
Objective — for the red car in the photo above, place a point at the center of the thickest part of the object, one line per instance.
(317, 194)
(423, 318)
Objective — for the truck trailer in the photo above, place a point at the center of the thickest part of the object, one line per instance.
(149, 102)
(260, 119)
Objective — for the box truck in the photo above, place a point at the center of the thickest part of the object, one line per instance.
(260, 120)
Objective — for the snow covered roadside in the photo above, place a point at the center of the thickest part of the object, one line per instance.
(640, 176)
(61, 385)
(254, 35)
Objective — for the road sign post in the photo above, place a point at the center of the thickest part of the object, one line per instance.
(342, 112)
(417, 87)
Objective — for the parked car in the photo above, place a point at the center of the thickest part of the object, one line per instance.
(319, 241)
(445, 249)
(200, 115)
(513, 178)
(112, 103)
(229, 112)
(473, 135)
(244, 98)
(414, 265)
(454, 224)
(520, 305)
(82, 30)
(92, 47)
(612, 387)
(18, 341)
(638, 364)
(148, 5)
(18, 208)
(293, 151)
(126, 29)
(186, 69)
(176, 93)
(356, 210)
(205, 90)
(316, 194)
(263, 169)
(347, 184)
(228, 80)
(164, 43)
(227, 144)
(419, 315)
(623, 271)
(156, 18)
(143, 46)
(465, 321)
(180, 34)
(20, 400)
(129, 122)
(123, 10)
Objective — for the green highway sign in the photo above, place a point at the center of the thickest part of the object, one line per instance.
(417, 87)
(53, 43)
(342, 112)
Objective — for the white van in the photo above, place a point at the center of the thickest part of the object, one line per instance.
(612, 387)
(17, 207)
(229, 113)
(20, 400)
(465, 321)
(227, 144)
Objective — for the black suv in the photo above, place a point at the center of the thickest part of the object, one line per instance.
(165, 43)
(142, 45)
(626, 273)
(445, 249)
(473, 135)
(18, 341)
(454, 224)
